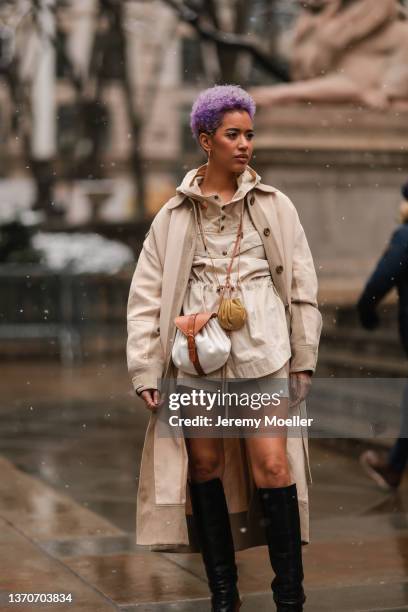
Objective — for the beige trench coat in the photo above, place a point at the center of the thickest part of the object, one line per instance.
(164, 515)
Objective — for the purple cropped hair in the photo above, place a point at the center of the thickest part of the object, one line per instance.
(211, 104)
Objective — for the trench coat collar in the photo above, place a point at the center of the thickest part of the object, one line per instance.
(189, 187)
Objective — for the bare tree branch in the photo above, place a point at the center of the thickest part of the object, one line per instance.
(229, 40)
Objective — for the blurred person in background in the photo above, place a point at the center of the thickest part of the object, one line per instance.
(386, 469)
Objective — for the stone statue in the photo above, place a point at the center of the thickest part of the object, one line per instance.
(347, 51)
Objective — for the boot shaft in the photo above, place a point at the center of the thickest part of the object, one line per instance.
(282, 526)
(211, 519)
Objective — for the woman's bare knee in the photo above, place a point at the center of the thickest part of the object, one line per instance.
(205, 468)
(203, 474)
(272, 472)
(269, 462)
(205, 462)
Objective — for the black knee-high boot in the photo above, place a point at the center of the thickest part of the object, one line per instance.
(281, 513)
(217, 548)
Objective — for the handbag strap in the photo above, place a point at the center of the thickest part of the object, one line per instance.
(190, 325)
(192, 348)
(183, 322)
(236, 249)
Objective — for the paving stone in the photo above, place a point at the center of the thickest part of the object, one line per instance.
(138, 578)
(43, 513)
(25, 568)
(90, 546)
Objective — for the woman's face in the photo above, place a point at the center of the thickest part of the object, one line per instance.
(232, 143)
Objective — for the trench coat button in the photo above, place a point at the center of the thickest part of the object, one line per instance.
(217, 197)
(158, 330)
(279, 269)
(222, 217)
(267, 231)
(252, 200)
(225, 252)
(222, 227)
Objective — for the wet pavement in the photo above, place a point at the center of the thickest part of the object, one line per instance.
(70, 446)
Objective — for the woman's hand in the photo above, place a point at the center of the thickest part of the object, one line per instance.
(300, 383)
(151, 398)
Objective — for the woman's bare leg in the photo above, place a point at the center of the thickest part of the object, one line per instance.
(267, 455)
(268, 460)
(206, 458)
(205, 455)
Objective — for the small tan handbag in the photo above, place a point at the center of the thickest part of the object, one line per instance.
(201, 346)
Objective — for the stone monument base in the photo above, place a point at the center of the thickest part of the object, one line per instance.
(343, 168)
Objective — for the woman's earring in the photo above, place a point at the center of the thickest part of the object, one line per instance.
(209, 153)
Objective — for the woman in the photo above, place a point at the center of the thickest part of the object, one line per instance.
(235, 486)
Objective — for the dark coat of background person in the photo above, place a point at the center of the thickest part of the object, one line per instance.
(391, 270)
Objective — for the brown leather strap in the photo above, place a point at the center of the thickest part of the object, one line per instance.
(190, 325)
(192, 349)
(237, 244)
(201, 319)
